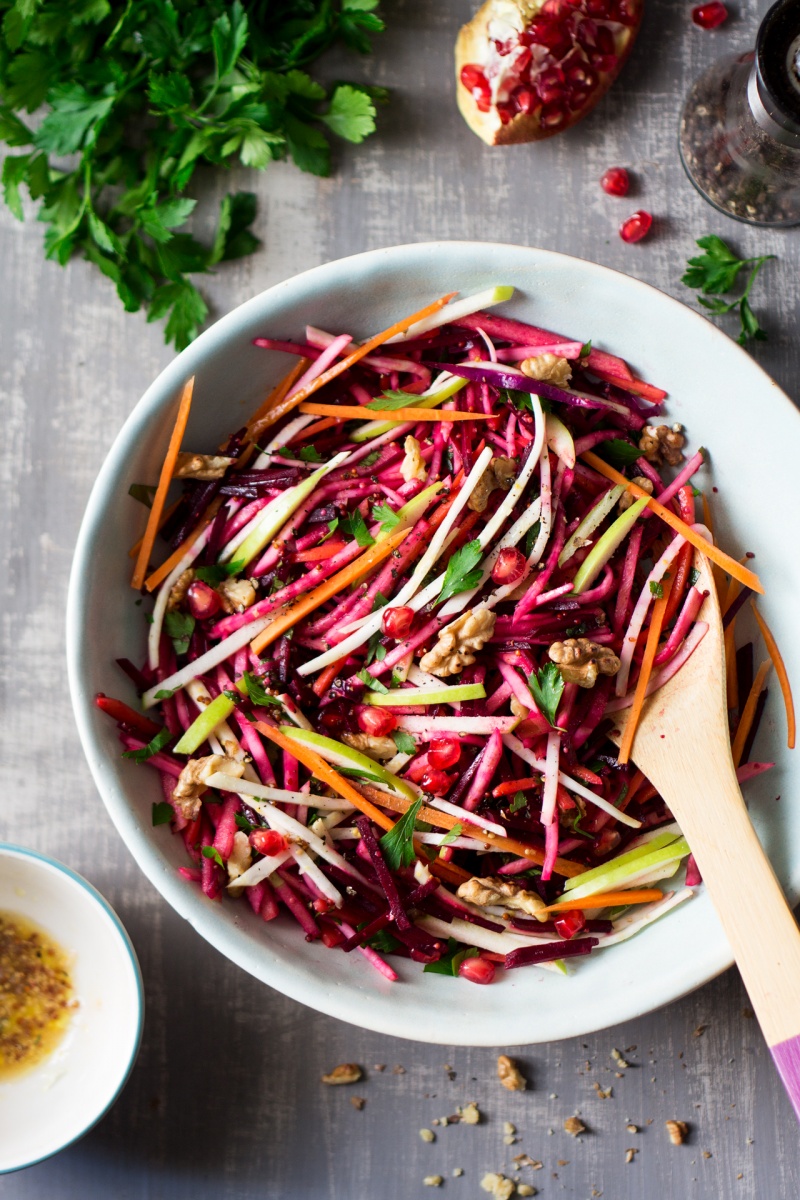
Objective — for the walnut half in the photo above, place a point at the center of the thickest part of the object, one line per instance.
(548, 367)
(659, 443)
(201, 466)
(458, 642)
(500, 473)
(580, 660)
(192, 780)
(503, 893)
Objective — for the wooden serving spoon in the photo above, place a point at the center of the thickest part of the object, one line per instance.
(682, 744)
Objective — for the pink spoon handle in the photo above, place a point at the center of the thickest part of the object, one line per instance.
(786, 1056)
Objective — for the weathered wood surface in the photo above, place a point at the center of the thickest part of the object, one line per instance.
(225, 1099)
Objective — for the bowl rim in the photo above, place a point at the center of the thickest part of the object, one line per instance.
(168, 383)
(12, 850)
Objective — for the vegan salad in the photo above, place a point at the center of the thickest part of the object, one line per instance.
(392, 627)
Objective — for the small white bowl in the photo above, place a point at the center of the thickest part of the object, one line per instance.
(57, 1101)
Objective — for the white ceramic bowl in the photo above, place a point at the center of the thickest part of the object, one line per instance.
(727, 403)
(62, 1097)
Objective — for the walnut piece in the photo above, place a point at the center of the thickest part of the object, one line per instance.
(344, 1073)
(659, 443)
(574, 1125)
(458, 642)
(177, 593)
(677, 1131)
(192, 780)
(627, 498)
(509, 1074)
(412, 466)
(375, 747)
(200, 466)
(236, 594)
(580, 660)
(503, 893)
(548, 367)
(500, 473)
(240, 856)
(518, 708)
(498, 1186)
(433, 1181)
(469, 1114)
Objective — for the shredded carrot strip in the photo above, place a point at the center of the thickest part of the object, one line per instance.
(322, 770)
(289, 614)
(632, 791)
(443, 820)
(516, 785)
(608, 900)
(276, 396)
(159, 500)
(348, 412)
(165, 516)
(318, 553)
(650, 648)
(311, 430)
(708, 521)
(780, 671)
(344, 364)
(749, 712)
(161, 573)
(326, 677)
(711, 551)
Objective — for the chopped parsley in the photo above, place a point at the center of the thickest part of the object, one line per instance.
(403, 741)
(462, 571)
(546, 687)
(162, 813)
(449, 963)
(161, 739)
(217, 572)
(179, 627)
(397, 846)
(656, 589)
(356, 527)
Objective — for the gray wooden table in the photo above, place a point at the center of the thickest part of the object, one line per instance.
(226, 1098)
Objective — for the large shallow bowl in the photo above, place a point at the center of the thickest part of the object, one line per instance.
(715, 389)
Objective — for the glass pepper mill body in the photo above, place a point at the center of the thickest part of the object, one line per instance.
(739, 132)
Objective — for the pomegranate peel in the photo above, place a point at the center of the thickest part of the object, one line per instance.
(528, 69)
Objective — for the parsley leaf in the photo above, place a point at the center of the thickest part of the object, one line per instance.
(162, 813)
(215, 573)
(165, 693)
(403, 741)
(355, 525)
(217, 84)
(143, 492)
(309, 454)
(179, 627)
(257, 693)
(546, 687)
(161, 739)
(397, 846)
(449, 963)
(384, 941)
(390, 401)
(462, 571)
(212, 852)
(371, 682)
(387, 517)
(243, 823)
(358, 773)
(657, 590)
(452, 834)
(518, 802)
(716, 272)
(618, 453)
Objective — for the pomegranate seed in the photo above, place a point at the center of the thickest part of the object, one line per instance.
(377, 722)
(606, 841)
(509, 567)
(616, 181)
(436, 782)
(203, 601)
(596, 8)
(552, 116)
(525, 99)
(397, 622)
(505, 112)
(477, 970)
(336, 716)
(709, 16)
(268, 842)
(569, 923)
(476, 83)
(605, 40)
(444, 753)
(603, 62)
(636, 227)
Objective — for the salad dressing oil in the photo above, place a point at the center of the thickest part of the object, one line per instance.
(36, 995)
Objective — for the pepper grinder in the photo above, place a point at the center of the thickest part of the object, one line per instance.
(739, 134)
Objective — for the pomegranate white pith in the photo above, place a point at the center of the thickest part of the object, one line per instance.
(526, 70)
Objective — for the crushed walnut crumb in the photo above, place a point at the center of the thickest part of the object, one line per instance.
(469, 1114)
(433, 1181)
(619, 1060)
(678, 1132)
(427, 1135)
(498, 1186)
(344, 1073)
(459, 642)
(660, 444)
(457, 1171)
(200, 466)
(357, 1102)
(603, 1093)
(177, 593)
(580, 660)
(525, 1189)
(412, 467)
(627, 498)
(630, 1154)
(509, 1074)
(236, 594)
(525, 1160)
(376, 747)
(500, 473)
(575, 1126)
(631, 1128)
(191, 783)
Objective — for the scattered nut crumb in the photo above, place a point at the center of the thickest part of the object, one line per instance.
(740, 1175)
(427, 1135)
(458, 1171)
(574, 1125)
(525, 1160)
(344, 1073)
(498, 1186)
(525, 1189)
(553, 1096)
(509, 1074)
(677, 1131)
(700, 1031)
(562, 1162)
(748, 1014)
(379, 1067)
(469, 1114)
(603, 1093)
(631, 1128)
(509, 1140)
(619, 1060)
(509, 1127)
(707, 1154)
(398, 1070)
(631, 1154)
(433, 1181)
(358, 1102)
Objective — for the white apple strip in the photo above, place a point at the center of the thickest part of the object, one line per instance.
(365, 631)
(424, 728)
(160, 608)
(212, 658)
(243, 787)
(454, 312)
(277, 819)
(568, 782)
(309, 867)
(468, 817)
(261, 870)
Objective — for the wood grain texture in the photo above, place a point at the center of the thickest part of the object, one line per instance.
(225, 1099)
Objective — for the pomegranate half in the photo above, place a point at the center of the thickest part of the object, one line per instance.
(527, 69)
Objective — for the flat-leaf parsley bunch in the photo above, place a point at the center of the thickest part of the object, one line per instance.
(136, 96)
